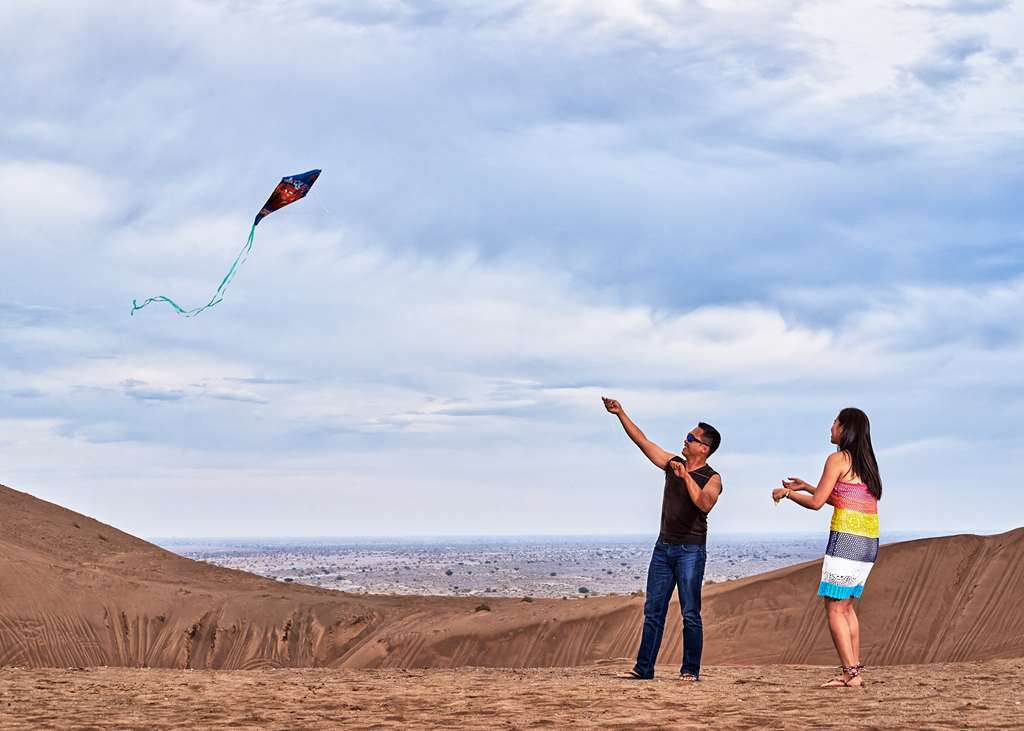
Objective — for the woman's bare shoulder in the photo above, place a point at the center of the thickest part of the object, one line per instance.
(842, 461)
(839, 460)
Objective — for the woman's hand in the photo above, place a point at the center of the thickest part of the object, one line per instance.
(780, 492)
(795, 483)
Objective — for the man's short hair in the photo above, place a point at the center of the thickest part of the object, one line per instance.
(711, 437)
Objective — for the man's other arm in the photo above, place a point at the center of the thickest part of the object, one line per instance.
(704, 498)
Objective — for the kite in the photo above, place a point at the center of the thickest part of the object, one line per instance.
(289, 190)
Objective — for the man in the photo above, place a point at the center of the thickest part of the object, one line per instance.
(692, 488)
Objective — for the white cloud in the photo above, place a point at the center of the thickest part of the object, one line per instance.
(455, 360)
(47, 197)
(750, 214)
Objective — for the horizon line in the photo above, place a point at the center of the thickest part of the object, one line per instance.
(494, 536)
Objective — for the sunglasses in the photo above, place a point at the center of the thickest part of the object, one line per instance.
(690, 438)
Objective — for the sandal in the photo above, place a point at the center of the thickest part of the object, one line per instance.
(854, 672)
(631, 675)
(688, 678)
(850, 673)
(840, 678)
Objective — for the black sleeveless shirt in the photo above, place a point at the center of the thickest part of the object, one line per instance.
(681, 520)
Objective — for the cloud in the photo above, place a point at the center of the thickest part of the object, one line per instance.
(14, 314)
(25, 393)
(949, 63)
(141, 391)
(537, 338)
(42, 198)
(969, 7)
(749, 214)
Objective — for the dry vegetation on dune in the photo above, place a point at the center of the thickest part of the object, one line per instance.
(78, 593)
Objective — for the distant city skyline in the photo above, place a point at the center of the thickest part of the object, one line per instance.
(747, 215)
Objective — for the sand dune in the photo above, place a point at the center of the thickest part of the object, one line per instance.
(77, 593)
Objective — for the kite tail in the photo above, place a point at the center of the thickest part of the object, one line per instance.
(218, 296)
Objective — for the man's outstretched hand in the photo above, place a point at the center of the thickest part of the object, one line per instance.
(613, 406)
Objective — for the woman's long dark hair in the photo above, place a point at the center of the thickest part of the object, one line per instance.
(855, 440)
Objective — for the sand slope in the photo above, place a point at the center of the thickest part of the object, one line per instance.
(76, 593)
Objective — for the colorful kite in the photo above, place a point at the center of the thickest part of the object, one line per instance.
(289, 190)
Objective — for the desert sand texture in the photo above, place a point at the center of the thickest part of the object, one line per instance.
(77, 593)
(941, 696)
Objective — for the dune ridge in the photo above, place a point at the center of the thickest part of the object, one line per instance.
(75, 592)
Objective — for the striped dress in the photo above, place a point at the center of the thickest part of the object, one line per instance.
(852, 542)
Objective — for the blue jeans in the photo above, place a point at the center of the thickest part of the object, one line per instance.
(672, 566)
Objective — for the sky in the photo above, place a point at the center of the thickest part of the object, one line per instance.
(749, 214)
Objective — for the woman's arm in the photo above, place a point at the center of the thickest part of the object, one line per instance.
(835, 466)
(797, 485)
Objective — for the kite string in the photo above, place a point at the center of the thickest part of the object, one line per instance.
(313, 194)
(218, 296)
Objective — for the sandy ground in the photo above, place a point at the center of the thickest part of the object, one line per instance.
(951, 695)
(940, 620)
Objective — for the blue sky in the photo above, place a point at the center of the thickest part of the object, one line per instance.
(753, 217)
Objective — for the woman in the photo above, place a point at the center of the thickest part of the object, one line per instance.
(850, 483)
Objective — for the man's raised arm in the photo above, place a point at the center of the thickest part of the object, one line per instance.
(656, 454)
